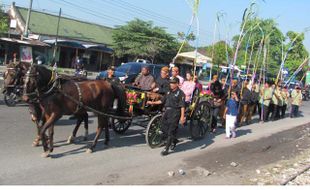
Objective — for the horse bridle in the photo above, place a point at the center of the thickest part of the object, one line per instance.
(36, 95)
(33, 95)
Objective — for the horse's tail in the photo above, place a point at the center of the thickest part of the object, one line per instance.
(120, 94)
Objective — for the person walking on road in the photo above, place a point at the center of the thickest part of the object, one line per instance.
(230, 115)
(244, 104)
(266, 98)
(174, 105)
(253, 102)
(296, 101)
(285, 95)
(274, 104)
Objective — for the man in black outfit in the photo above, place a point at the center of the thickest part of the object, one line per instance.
(162, 82)
(174, 105)
(218, 100)
(111, 77)
(244, 104)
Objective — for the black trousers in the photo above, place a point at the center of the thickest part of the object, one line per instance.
(270, 110)
(275, 112)
(215, 113)
(169, 125)
(294, 111)
(259, 108)
(265, 113)
(283, 110)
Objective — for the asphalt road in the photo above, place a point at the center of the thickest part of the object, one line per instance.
(128, 160)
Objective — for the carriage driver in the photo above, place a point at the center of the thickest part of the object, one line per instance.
(174, 106)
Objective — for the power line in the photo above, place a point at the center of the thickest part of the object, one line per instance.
(160, 18)
(91, 12)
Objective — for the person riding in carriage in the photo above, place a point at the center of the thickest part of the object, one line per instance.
(110, 77)
(145, 80)
(161, 85)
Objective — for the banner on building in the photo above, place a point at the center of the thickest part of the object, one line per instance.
(26, 54)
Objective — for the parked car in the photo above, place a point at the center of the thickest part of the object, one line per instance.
(128, 72)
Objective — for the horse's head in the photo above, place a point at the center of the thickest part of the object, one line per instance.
(14, 74)
(36, 80)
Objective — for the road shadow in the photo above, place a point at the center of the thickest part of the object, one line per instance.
(193, 144)
(132, 137)
(71, 122)
(242, 132)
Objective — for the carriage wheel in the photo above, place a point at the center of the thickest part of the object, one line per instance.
(200, 120)
(153, 135)
(120, 126)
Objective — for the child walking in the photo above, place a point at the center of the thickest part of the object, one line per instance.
(230, 114)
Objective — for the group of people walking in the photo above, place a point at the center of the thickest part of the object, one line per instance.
(233, 103)
(237, 102)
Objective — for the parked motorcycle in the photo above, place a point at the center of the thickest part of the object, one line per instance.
(12, 95)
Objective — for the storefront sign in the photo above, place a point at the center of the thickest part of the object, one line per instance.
(26, 54)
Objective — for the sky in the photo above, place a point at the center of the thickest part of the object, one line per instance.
(175, 15)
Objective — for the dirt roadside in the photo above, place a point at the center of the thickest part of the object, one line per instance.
(249, 163)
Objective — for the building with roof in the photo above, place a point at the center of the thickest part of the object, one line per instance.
(87, 41)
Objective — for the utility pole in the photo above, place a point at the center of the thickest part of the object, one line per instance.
(56, 39)
(28, 19)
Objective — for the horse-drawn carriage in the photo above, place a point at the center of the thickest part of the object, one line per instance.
(76, 102)
(198, 115)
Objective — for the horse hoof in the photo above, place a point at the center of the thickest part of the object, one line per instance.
(70, 140)
(89, 151)
(45, 155)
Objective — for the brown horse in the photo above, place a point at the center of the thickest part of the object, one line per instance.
(14, 76)
(67, 97)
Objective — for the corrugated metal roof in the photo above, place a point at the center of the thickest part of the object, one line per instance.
(25, 42)
(46, 24)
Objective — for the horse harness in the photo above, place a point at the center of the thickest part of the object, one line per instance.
(56, 87)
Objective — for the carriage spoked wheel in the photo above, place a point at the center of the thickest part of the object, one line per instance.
(154, 134)
(120, 126)
(200, 120)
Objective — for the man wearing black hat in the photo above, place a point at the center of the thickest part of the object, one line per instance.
(174, 104)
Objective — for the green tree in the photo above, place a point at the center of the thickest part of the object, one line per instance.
(186, 47)
(220, 52)
(297, 54)
(140, 39)
(273, 41)
(3, 21)
(190, 37)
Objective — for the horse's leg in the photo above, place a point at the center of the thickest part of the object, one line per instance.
(76, 128)
(105, 124)
(36, 112)
(51, 137)
(36, 141)
(98, 133)
(50, 120)
(85, 117)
